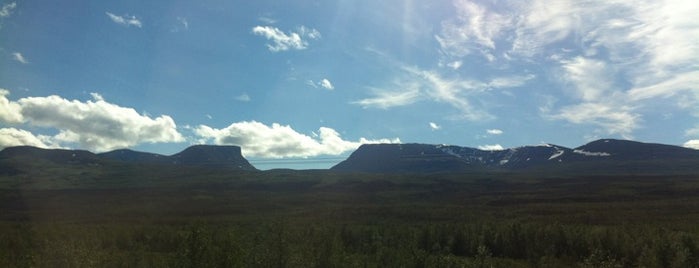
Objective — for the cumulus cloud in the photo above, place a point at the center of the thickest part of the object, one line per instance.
(125, 20)
(493, 147)
(18, 137)
(434, 126)
(494, 131)
(279, 141)
(10, 112)
(95, 124)
(281, 41)
(694, 144)
(19, 58)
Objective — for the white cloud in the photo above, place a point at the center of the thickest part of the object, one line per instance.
(18, 137)
(434, 126)
(10, 112)
(474, 28)
(592, 78)
(125, 20)
(282, 41)
(509, 81)
(384, 99)
(95, 125)
(182, 25)
(414, 84)
(7, 9)
(494, 147)
(184, 22)
(279, 141)
(455, 64)
(243, 97)
(694, 144)
(325, 83)
(494, 131)
(19, 58)
(612, 118)
(684, 82)
(267, 20)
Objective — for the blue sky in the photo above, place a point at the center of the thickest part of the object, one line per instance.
(295, 80)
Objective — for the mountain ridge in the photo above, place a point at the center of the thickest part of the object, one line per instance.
(228, 156)
(420, 158)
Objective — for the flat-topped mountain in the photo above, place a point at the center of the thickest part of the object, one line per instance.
(442, 158)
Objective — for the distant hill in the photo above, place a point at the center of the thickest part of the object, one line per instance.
(229, 157)
(606, 154)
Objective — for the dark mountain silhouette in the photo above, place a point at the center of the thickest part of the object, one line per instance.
(58, 156)
(608, 154)
(228, 157)
(127, 155)
(214, 156)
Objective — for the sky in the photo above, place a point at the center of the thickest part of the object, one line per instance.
(301, 84)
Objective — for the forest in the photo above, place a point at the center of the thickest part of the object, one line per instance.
(283, 218)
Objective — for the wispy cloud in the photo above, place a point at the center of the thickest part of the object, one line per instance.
(19, 58)
(7, 9)
(125, 20)
(610, 117)
(613, 55)
(243, 97)
(494, 131)
(267, 20)
(413, 84)
(182, 25)
(474, 29)
(280, 141)
(281, 41)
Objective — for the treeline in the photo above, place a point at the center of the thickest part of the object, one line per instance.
(390, 244)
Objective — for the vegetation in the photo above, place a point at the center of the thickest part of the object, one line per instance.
(142, 217)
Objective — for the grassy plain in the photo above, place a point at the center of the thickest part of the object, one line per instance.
(153, 216)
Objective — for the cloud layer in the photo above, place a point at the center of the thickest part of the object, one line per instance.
(279, 141)
(610, 58)
(95, 124)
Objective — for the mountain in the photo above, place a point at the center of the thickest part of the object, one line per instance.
(127, 155)
(606, 154)
(58, 156)
(212, 156)
(228, 157)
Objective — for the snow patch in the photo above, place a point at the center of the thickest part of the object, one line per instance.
(557, 154)
(504, 161)
(586, 153)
